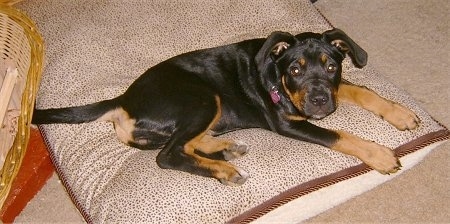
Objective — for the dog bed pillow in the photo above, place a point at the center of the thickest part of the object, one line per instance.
(98, 49)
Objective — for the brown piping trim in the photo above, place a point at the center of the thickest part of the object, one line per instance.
(422, 142)
(326, 20)
(322, 182)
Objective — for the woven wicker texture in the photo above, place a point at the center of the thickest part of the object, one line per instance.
(21, 46)
(9, 2)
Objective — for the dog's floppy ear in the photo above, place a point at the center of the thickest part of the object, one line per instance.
(346, 45)
(273, 47)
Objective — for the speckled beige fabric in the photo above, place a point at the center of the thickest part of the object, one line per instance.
(95, 49)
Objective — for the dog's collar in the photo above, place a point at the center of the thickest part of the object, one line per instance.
(274, 95)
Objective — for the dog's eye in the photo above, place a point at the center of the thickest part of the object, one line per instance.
(331, 68)
(295, 71)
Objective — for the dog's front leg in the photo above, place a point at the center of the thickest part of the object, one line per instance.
(399, 116)
(374, 155)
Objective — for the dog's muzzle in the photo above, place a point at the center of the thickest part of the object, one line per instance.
(319, 100)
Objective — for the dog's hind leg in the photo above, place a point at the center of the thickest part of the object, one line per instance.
(217, 148)
(180, 152)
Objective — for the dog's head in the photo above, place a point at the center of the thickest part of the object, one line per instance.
(306, 68)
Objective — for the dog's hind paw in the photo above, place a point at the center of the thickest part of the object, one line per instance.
(236, 179)
(236, 150)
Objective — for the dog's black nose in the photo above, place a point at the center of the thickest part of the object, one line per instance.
(318, 100)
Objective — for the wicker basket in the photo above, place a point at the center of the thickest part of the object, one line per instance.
(21, 46)
(9, 2)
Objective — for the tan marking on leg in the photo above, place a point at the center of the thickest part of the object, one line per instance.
(227, 173)
(198, 139)
(229, 148)
(399, 116)
(295, 117)
(374, 155)
(209, 144)
(223, 171)
(123, 124)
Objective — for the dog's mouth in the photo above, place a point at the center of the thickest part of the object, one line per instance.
(318, 104)
(314, 105)
(318, 113)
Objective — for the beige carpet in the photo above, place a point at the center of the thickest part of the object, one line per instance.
(408, 42)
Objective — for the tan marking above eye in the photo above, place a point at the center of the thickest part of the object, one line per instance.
(323, 58)
(302, 62)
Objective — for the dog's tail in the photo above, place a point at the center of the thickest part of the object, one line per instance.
(75, 115)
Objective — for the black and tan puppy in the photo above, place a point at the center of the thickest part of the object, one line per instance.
(277, 83)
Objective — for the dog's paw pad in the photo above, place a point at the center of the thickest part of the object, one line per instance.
(236, 150)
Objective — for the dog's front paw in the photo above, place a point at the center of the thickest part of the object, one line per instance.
(401, 117)
(236, 150)
(381, 159)
(235, 178)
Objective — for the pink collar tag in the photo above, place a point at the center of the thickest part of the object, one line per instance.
(274, 95)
